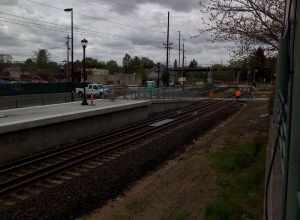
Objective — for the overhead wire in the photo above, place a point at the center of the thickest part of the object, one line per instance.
(55, 25)
(51, 26)
(89, 16)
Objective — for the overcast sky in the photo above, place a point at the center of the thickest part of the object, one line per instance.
(112, 27)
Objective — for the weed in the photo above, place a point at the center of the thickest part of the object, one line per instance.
(176, 214)
(180, 214)
(240, 182)
(136, 207)
(219, 210)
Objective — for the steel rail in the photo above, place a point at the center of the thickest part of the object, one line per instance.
(52, 153)
(45, 172)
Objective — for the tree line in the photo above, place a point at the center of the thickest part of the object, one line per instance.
(138, 65)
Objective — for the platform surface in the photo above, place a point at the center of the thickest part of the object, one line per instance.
(24, 118)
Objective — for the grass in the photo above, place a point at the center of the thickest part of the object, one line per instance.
(240, 183)
(137, 206)
(176, 214)
(181, 214)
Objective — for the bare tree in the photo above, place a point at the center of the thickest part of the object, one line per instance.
(249, 22)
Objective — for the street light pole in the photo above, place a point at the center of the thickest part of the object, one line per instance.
(158, 75)
(84, 43)
(68, 58)
(72, 50)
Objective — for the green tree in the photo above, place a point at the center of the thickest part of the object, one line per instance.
(53, 66)
(175, 64)
(42, 58)
(91, 63)
(193, 64)
(135, 63)
(141, 72)
(147, 63)
(101, 65)
(126, 63)
(29, 62)
(112, 66)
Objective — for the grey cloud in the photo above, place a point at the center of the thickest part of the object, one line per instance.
(8, 40)
(8, 2)
(141, 40)
(110, 34)
(131, 5)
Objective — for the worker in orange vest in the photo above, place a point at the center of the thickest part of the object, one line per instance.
(238, 94)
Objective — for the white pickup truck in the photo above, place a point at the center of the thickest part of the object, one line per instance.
(93, 89)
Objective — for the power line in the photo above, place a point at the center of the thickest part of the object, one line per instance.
(42, 27)
(88, 16)
(54, 29)
(80, 30)
(55, 25)
(24, 23)
(32, 19)
(51, 26)
(46, 5)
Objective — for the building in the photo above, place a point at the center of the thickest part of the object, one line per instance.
(11, 73)
(5, 58)
(102, 76)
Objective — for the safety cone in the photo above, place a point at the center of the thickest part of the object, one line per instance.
(93, 100)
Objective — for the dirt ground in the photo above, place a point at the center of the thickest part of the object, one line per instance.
(183, 187)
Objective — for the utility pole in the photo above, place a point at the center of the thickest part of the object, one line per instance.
(168, 46)
(183, 63)
(72, 49)
(183, 55)
(68, 57)
(179, 49)
(72, 56)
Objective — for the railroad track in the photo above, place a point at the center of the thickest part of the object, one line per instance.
(31, 170)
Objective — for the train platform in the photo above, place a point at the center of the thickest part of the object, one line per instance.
(26, 131)
(25, 118)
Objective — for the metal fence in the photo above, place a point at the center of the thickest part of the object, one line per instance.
(163, 93)
(13, 89)
(118, 92)
(21, 101)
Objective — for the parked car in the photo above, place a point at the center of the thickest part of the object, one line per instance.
(92, 89)
(108, 89)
